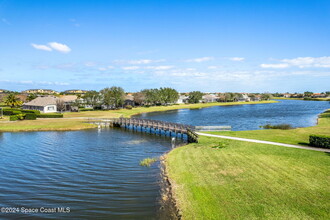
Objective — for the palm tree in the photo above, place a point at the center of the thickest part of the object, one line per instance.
(12, 101)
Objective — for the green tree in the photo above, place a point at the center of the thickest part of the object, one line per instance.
(152, 96)
(113, 97)
(12, 101)
(31, 97)
(168, 95)
(92, 98)
(266, 96)
(308, 94)
(195, 96)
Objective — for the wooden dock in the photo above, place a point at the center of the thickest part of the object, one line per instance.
(148, 125)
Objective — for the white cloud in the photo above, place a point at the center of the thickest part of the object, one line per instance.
(275, 66)
(102, 68)
(201, 59)
(237, 58)
(301, 62)
(159, 67)
(304, 62)
(41, 47)
(59, 47)
(214, 67)
(130, 67)
(139, 62)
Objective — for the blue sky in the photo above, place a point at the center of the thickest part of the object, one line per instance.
(212, 46)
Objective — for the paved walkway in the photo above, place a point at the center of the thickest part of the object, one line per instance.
(265, 142)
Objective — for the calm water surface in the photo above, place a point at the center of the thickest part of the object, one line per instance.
(247, 117)
(96, 174)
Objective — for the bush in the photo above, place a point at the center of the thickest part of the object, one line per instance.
(31, 111)
(13, 118)
(319, 141)
(279, 126)
(50, 115)
(11, 112)
(85, 109)
(128, 107)
(30, 116)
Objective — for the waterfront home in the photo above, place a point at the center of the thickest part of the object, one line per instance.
(70, 102)
(40, 91)
(182, 99)
(319, 95)
(45, 104)
(243, 98)
(129, 100)
(210, 98)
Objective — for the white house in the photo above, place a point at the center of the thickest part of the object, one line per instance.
(210, 98)
(182, 99)
(244, 98)
(43, 104)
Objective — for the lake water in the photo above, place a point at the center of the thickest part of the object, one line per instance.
(96, 173)
(247, 117)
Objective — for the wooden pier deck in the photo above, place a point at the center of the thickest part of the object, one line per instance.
(154, 126)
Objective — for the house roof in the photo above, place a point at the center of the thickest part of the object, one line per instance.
(42, 101)
(69, 98)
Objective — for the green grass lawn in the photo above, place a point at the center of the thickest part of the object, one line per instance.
(44, 125)
(298, 136)
(249, 181)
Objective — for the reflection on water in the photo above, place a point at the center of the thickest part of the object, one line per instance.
(247, 117)
(96, 173)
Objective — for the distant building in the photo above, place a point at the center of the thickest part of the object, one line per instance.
(40, 91)
(210, 98)
(129, 100)
(182, 99)
(75, 91)
(3, 91)
(43, 104)
(319, 95)
(244, 98)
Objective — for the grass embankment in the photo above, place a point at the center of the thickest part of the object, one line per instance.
(298, 136)
(44, 125)
(249, 181)
(71, 120)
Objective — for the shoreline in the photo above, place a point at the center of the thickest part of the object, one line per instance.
(73, 121)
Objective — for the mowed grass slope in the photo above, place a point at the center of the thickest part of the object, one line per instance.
(45, 125)
(298, 136)
(249, 181)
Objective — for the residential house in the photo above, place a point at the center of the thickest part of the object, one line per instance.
(243, 98)
(40, 91)
(75, 91)
(129, 100)
(210, 98)
(70, 102)
(45, 104)
(182, 99)
(319, 95)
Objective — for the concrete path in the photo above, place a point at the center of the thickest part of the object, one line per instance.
(266, 142)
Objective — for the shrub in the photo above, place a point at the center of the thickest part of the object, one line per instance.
(50, 115)
(31, 111)
(319, 141)
(30, 116)
(85, 109)
(10, 112)
(13, 118)
(279, 126)
(128, 107)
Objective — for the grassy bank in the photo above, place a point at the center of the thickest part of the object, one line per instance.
(298, 136)
(44, 125)
(249, 181)
(71, 120)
